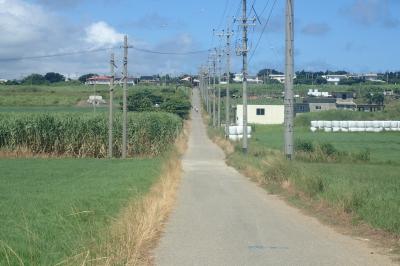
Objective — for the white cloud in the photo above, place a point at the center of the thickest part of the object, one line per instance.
(100, 34)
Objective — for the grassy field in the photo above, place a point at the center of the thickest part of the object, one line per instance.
(55, 208)
(384, 147)
(358, 175)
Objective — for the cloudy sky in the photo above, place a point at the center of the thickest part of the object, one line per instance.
(355, 35)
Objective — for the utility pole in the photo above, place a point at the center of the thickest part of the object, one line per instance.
(213, 92)
(289, 65)
(244, 52)
(124, 103)
(110, 118)
(228, 35)
(219, 87)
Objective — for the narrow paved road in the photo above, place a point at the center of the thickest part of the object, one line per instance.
(221, 218)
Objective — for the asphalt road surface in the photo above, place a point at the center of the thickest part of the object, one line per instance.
(222, 218)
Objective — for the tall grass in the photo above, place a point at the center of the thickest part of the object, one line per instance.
(86, 135)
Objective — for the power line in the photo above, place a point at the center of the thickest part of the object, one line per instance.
(263, 30)
(170, 53)
(56, 55)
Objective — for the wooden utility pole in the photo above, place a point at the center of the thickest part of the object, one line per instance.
(110, 118)
(124, 102)
(289, 69)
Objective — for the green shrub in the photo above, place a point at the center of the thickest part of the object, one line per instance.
(328, 149)
(304, 145)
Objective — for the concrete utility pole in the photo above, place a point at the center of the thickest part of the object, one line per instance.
(208, 89)
(213, 92)
(110, 118)
(124, 103)
(219, 87)
(244, 55)
(289, 65)
(228, 35)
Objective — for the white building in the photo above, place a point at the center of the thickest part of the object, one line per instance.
(316, 93)
(261, 114)
(250, 79)
(279, 77)
(335, 79)
(3, 81)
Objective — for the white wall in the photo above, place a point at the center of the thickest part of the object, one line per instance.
(274, 114)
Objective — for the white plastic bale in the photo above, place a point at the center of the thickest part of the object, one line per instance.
(352, 124)
(313, 129)
(353, 129)
(379, 129)
(370, 129)
(328, 129)
(335, 124)
(335, 129)
(327, 124)
(320, 124)
(369, 124)
(344, 124)
(232, 130)
(394, 124)
(360, 124)
(386, 124)
(314, 124)
(343, 129)
(249, 130)
(239, 130)
(233, 137)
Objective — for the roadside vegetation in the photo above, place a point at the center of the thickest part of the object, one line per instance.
(62, 203)
(356, 174)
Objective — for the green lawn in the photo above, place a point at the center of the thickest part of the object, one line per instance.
(55, 208)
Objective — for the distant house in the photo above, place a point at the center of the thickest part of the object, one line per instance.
(317, 104)
(2, 81)
(261, 114)
(335, 79)
(105, 80)
(250, 79)
(279, 77)
(149, 80)
(344, 100)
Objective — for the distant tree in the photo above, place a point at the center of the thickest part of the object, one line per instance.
(83, 78)
(12, 82)
(268, 71)
(52, 77)
(35, 79)
(320, 80)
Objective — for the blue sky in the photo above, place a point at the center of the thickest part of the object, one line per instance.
(355, 35)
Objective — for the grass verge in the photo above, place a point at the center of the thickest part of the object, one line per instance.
(358, 195)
